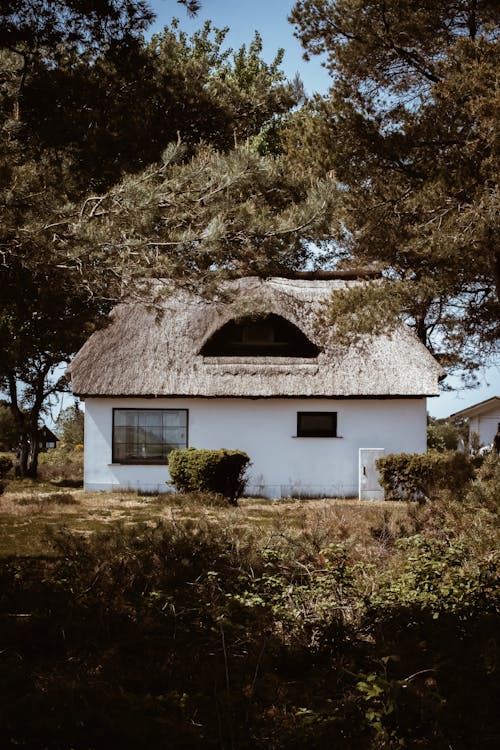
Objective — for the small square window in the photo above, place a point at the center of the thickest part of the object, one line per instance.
(317, 424)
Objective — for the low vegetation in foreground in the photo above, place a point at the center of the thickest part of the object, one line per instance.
(176, 622)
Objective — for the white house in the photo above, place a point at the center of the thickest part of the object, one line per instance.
(483, 419)
(251, 370)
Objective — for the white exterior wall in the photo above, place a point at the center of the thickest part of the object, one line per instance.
(282, 464)
(485, 425)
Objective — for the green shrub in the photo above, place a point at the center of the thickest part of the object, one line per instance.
(201, 470)
(5, 466)
(418, 476)
(485, 491)
(201, 635)
(442, 437)
(62, 464)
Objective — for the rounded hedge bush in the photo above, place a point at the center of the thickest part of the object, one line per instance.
(203, 470)
(417, 476)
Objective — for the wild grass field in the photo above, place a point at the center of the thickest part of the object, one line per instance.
(177, 621)
(29, 510)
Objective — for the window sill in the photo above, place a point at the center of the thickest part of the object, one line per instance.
(317, 437)
(136, 463)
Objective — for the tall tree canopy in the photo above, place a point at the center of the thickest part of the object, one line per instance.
(410, 130)
(84, 101)
(44, 310)
(212, 217)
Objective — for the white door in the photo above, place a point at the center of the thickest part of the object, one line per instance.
(369, 487)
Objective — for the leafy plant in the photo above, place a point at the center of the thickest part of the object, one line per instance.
(408, 476)
(5, 466)
(485, 491)
(442, 437)
(202, 634)
(62, 464)
(202, 470)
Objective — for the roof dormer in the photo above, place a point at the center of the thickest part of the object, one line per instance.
(266, 336)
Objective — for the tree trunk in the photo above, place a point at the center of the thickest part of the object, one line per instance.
(27, 457)
(22, 457)
(27, 421)
(421, 329)
(33, 453)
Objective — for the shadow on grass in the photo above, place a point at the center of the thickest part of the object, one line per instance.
(75, 483)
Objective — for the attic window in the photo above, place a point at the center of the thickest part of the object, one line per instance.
(269, 336)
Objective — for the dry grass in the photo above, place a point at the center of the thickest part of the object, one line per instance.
(26, 511)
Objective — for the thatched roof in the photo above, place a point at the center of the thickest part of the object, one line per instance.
(142, 353)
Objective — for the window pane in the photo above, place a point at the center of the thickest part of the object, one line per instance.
(154, 434)
(258, 334)
(150, 419)
(272, 336)
(118, 418)
(174, 418)
(322, 422)
(148, 435)
(119, 451)
(317, 424)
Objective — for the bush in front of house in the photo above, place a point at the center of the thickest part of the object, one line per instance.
(485, 491)
(63, 465)
(418, 476)
(202, 470)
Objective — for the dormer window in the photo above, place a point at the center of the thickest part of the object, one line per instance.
(255, 334)
(269, 336)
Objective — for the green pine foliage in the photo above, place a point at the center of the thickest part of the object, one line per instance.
(9, 432)
(70, 426)
(408, 130)
(215, 216)
(5, 467)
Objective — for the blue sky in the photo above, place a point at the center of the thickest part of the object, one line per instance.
(268, 17)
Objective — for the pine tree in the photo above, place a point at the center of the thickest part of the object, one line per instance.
(70, 426)
(410, 131)
(213, 217)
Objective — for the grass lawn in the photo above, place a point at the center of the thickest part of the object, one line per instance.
(29, 510)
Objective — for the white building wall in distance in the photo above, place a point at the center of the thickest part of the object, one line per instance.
(487, 427)
(282, 463)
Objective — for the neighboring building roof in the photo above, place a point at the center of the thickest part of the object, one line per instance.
(483, 407)
(149, 352)
(45, 434)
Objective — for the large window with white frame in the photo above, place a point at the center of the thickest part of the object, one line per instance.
(146, 436)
